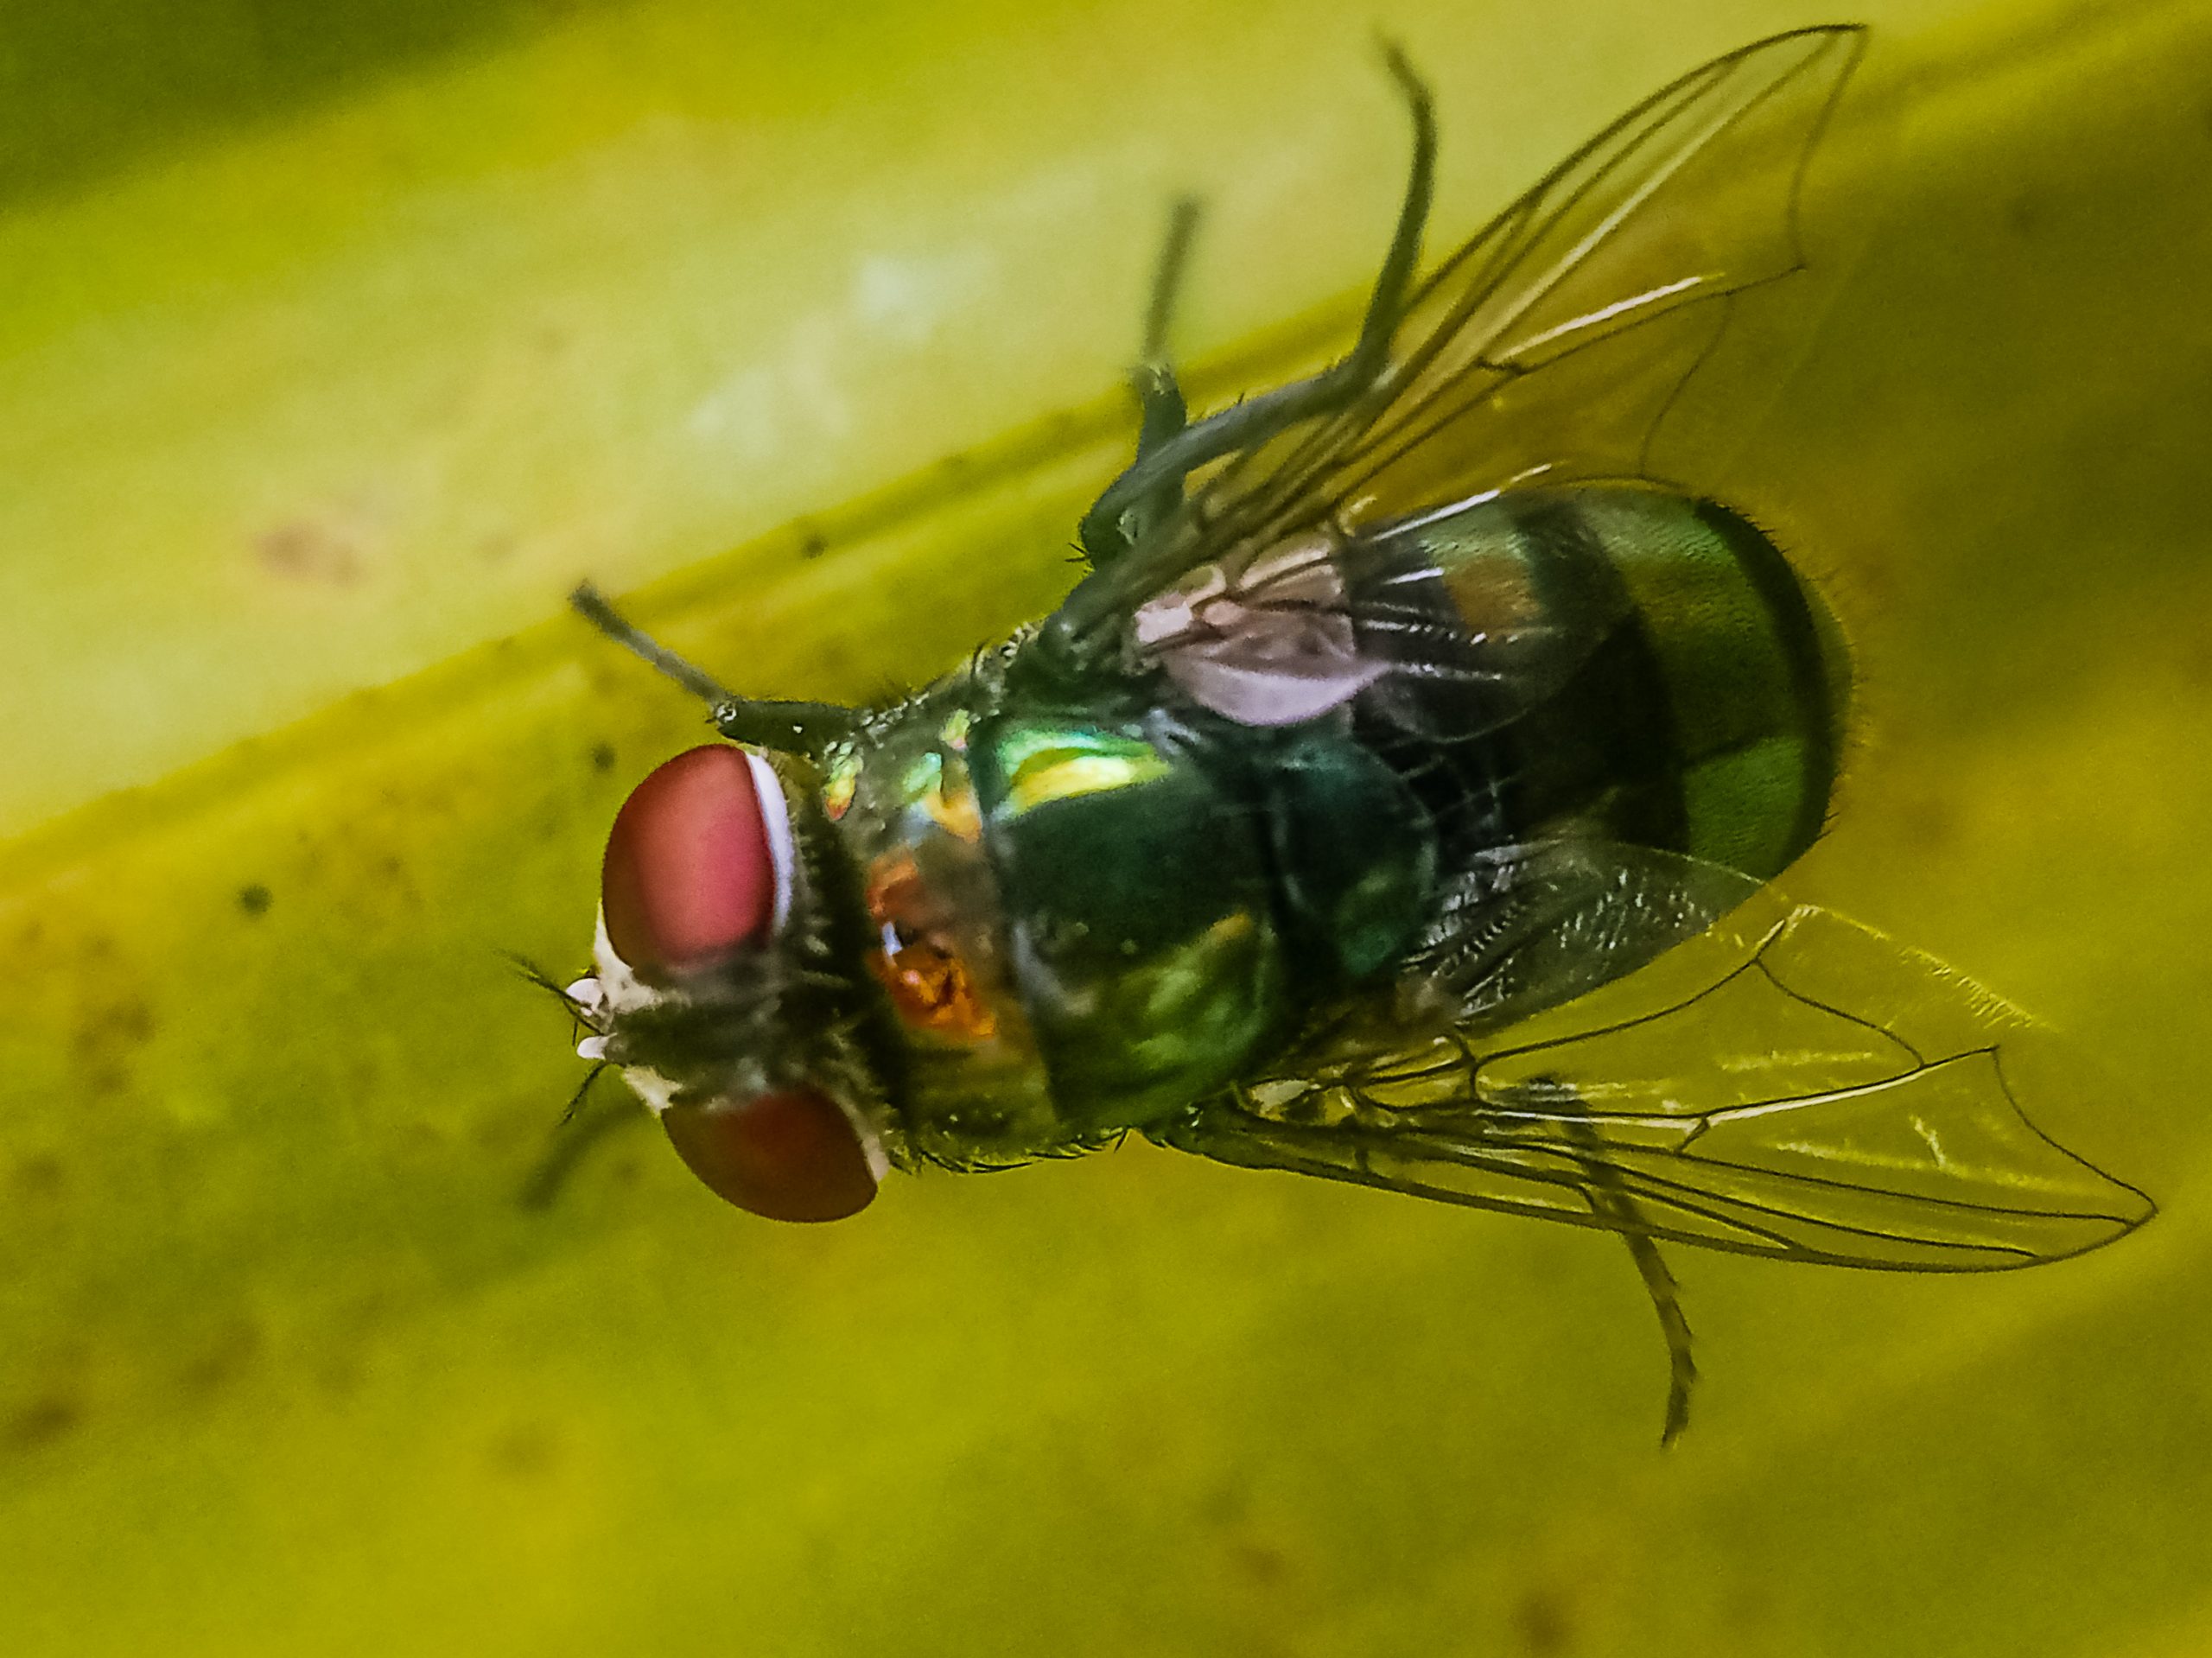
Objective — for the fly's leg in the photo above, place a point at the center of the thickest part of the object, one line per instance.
(790, 728)
(1681, 1363)
(1618, 1210)
(1162, 415)
(578, 1136)
(1160, 399)
(1105, 530)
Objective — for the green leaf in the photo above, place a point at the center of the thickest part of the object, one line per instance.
(313, 414)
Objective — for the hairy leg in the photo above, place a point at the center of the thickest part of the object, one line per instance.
(1167, 463)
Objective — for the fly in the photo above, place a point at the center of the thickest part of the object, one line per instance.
(1394, 800)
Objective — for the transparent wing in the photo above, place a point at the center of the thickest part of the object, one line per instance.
(1497, 605)
(1552, 343)
(1786, 1082)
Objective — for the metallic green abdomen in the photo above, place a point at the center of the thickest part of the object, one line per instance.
(1630, 662)
(1754, 677)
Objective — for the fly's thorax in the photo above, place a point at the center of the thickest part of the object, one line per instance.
(1138, 905)
(898, 801)
(1074, 918)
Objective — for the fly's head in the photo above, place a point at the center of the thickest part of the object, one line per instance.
(717, 991)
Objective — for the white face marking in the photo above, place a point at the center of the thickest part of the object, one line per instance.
(593, 1048)
(655, 1089)
(776, 821)
(620, 991)
(586, 993)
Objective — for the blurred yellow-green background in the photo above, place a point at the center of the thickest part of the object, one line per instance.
(337, 341)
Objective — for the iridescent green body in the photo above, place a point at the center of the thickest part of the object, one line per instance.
(1393, 800)
(1090, 911)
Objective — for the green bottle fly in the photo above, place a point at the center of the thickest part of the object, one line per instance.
(1394, 800)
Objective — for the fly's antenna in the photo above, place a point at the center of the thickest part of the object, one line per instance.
(531, 973)
(789, 727)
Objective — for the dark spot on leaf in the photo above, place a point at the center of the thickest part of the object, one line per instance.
(1258, 1561)
(228, 1353)
(525, 1451)
(254, 899)
(1931, 823)
(602, 757)
(339, 1375)
(42, 1421)
(123, 1024)
(306, 549)
(813, 543)
(39, 1177)
(1541, 1621)
(1227, 1502)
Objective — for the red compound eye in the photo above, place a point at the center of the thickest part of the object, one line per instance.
(791, 1156)
(691, 863)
